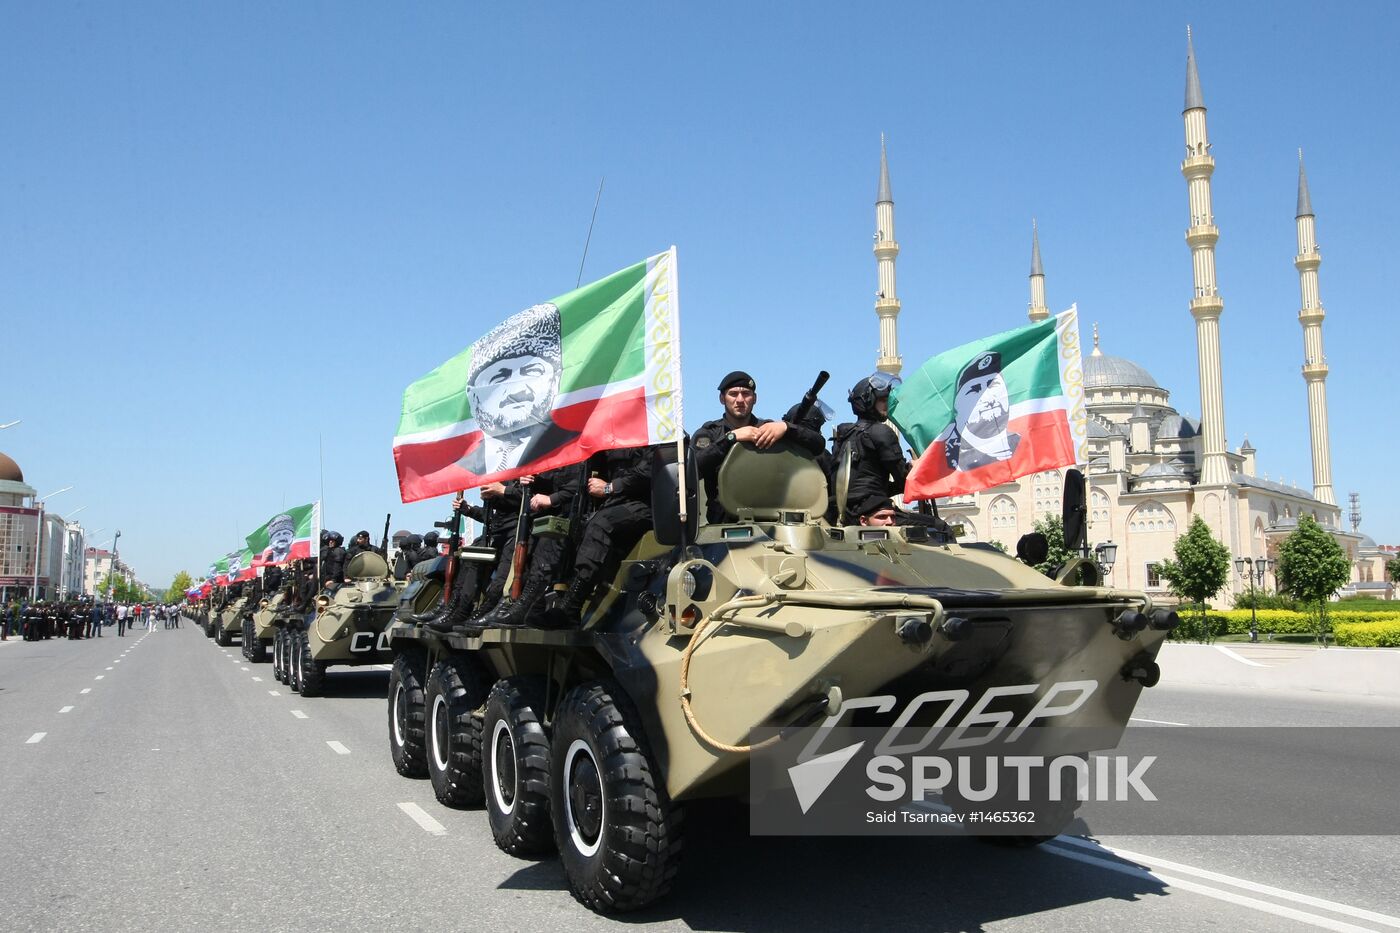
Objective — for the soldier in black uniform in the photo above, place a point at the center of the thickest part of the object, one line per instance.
(500, 503)
(333, 562)
(878, 467)
(360, 543)
(552, 494)
(738, 393)
(32, 621)
(620, 484)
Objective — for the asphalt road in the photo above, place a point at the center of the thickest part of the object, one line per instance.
(158, 782)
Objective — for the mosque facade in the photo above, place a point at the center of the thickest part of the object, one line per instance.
(1151, 468)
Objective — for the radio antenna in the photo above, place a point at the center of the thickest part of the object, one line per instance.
(589, 238)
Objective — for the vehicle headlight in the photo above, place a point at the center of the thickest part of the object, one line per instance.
(696, 582)
(322, 601)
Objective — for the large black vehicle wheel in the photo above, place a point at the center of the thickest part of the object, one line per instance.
(278, 650)
(247, 640)
(516, 761)
(294, 642)
(257, 648)
(224, 637)
(407, 715)
(208, 629)
(618, 833)
(456, 692)
(311, 674)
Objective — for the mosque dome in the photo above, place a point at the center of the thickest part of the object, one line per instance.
(10, 471)
(1102, 371)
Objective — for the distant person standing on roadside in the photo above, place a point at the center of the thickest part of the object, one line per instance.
(121, 620)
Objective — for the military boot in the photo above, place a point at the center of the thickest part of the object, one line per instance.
(457, 609)
(513, 613)
(569, 612)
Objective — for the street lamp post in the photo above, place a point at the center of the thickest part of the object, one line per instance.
(1106, 554)
(112, 567)
(1253, 570)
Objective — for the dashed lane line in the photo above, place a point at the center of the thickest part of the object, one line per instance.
(338, 748)
(1151, 863)
(111, 668)
(1230, 897)
(245, 668)
(257, 680)
(85, 690)
(275, 693)
(99, 676)
(299, 714)
(66, 709)
(35, 738)
(425, 822)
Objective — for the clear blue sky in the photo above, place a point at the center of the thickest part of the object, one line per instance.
(226, 229)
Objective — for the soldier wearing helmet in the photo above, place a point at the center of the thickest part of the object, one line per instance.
(878, 467)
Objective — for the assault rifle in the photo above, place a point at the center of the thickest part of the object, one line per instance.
(522, 543)
(384, 539)
(453, 527)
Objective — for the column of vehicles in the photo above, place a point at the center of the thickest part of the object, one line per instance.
(584, 723)
(310, 615)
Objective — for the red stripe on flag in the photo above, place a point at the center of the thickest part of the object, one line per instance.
(435, 468)
(1045, 444)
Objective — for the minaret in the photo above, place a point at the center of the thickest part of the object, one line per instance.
(1206, 306)
(1038, 311)
(886, 249)
(1314, 360)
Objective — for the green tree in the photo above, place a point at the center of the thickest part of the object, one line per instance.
(1312, 566)
(1392, 569)
(999, 546)
(1201, 569)
(1054, 530)
(175, 592)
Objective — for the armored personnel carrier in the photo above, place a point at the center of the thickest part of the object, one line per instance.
(258, 628)
(591, 740)
(347, 628)
(230, 620)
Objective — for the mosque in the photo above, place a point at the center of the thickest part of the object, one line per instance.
(1151, 468)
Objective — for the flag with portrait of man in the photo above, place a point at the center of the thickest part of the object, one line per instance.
(990, 411)
(595, 369)
(284, 537)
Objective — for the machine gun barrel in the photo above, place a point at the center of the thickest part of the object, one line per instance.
(810, 398)
(384, 538)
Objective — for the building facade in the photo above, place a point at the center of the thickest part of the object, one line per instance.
(1151, 468)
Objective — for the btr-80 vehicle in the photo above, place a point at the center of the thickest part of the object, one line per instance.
(258, 628)
(230, 620)
(347, 627)
(590, 740)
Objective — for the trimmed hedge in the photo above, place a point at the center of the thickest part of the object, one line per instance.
(1359, 624)
(1385, 634)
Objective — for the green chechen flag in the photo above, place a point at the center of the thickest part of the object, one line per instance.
(597, 368)
(238, 565)
(284, 537)
(995, 409)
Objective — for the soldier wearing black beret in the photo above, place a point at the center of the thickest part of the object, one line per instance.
(738, 393)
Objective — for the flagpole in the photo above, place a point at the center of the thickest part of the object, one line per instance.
(589, 238)
(316, 538)
(680, 393)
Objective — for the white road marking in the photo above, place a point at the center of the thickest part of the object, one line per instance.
(1238, 657)
(299, 714)
(117, 661)
(99, 676)
(1280, 893)
(36, 737)
(276, 693)
(1158, 722)
(111, 668)
(1278, 910)
(257, 680)
(85, 690)
(338, 748)
(66, 709)
(420, 816)
(245, 668)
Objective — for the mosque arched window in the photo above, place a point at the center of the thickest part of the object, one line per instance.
(1150, 517)
(1045, 490)
(1003, 515)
